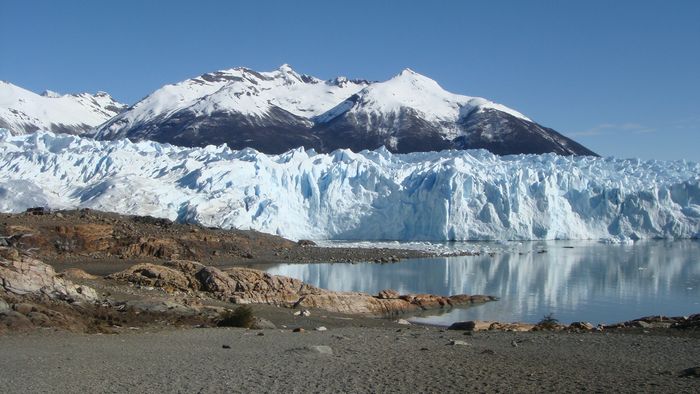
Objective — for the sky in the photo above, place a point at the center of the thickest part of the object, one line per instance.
(622, 77)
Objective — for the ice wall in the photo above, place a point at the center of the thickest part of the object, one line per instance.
(373, 195)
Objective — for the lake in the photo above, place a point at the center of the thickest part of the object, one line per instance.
(573, 280)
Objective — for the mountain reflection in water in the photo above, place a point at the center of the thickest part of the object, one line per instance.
(573, 280)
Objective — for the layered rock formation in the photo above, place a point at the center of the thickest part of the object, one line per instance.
(249, 286)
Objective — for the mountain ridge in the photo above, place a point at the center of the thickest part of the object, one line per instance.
(23, 111)
(279, 110)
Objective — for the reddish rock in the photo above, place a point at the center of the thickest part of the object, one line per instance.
(250, 286)
(388, 294)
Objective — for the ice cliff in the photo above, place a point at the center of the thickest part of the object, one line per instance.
(371, 195)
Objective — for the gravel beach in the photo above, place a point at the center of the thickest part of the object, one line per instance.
(362, 359)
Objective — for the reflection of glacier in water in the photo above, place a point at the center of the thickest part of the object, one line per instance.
(592, 282)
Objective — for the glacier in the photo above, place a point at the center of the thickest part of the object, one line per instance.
(370, 195)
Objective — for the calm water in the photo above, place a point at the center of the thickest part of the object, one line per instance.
(573, 280)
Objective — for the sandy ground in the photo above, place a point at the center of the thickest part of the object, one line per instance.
(379, 359)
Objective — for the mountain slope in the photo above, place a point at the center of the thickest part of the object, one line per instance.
(411, 112)
(22, 111)
(280, 110)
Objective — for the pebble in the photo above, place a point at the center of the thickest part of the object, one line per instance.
(322, 328)
(691, 372)
(321, 349)
(455, 342)
(304, 313)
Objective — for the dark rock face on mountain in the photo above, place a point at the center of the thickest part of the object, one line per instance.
(280, 110)
(278, 132)
(504, 134)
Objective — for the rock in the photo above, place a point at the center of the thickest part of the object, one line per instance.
(23, 308)
(15, 321)
(463, 325)
(249, 286)
(28, 276)
(388, 294)
(403, 322)
(4, 306)
(686, 322)
(86, 238)
(298, 329)
(157, 276)
(39, 319)
(641, 324)
(693, 372)
(581, 325)
(9, 253)
(38, 211)
(306, 242)
(304, 313)
(455, 342)
(321, 328)
(517, 327)
(262, 324)
(321, 349)
(158, 306)
(225, 347)
(77, 273)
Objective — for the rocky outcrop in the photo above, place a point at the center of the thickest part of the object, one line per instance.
(169, 279)
(659, 321)
(485, 325)
(33, 295)
(28, 276)
(691, 322)
(250, 286)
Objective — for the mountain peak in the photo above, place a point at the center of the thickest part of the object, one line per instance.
(23, 111)
(286, 68)
(50, 94)
(409, 76)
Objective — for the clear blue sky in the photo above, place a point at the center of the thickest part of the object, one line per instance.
(622, 77)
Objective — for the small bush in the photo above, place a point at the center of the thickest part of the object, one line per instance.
(548, 322)
(240, 317)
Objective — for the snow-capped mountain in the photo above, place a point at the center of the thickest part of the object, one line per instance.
(270, 111)
(22, 111)
(280, 110)
(371, 195)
